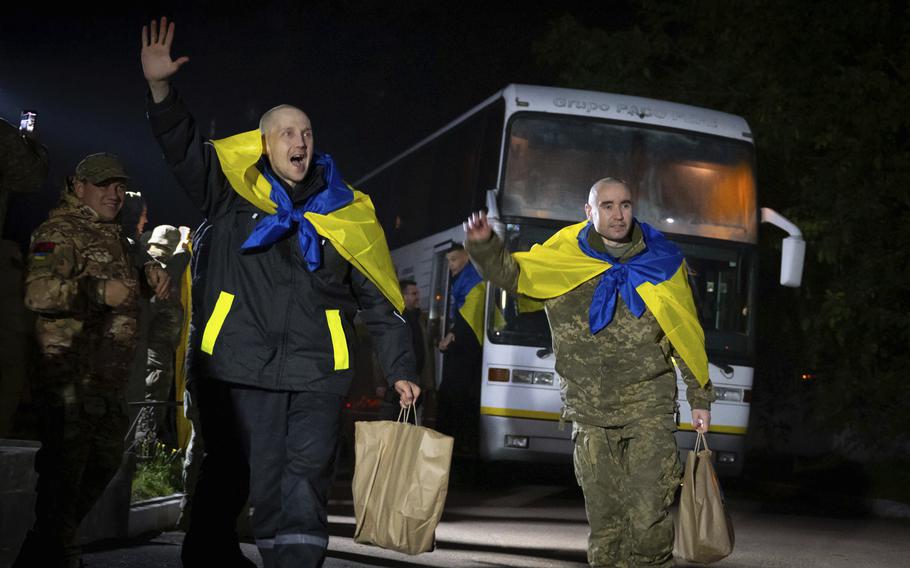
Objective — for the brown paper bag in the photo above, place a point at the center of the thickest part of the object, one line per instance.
(704, 531)
(401, 478)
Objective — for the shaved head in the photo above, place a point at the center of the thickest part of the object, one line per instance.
(287, 137)
(270, 118)
(592, 194)
(609, 209)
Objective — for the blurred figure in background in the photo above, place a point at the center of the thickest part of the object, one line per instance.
(157, 422)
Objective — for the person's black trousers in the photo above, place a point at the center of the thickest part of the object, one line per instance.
(286, 443)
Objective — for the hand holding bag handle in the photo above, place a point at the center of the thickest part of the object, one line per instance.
(704, 531)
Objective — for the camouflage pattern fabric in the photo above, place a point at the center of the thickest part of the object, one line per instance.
(619, 389)
(165, 325)
(629, 476)
(192, 463)
(622, 373)
(164, 332)
(85, 348)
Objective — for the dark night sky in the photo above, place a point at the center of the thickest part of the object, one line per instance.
(373, 78)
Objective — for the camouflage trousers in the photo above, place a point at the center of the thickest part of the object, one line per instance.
(629, 476)
(192, 463)
(82, 446)
(156, 423)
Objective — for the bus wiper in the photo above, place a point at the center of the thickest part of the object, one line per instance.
(544, 353)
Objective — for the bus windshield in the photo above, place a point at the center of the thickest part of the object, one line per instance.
(683, 182)
(720, 275)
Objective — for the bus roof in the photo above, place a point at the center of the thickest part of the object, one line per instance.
(638, 110)
(625, 108)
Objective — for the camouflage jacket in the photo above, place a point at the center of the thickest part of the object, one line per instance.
(621, 374)
(70, 257)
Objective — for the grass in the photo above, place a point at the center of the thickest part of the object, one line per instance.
(158, 472)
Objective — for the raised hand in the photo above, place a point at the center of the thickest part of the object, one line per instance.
(477, 228)
(157, 65)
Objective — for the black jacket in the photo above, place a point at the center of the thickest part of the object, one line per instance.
(277, 333)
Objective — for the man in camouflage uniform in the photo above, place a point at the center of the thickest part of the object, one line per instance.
(165, 325)
(619, 389)
(82, 284)
(23, 169)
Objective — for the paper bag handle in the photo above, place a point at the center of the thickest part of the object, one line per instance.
(701, 440)
(406, 413)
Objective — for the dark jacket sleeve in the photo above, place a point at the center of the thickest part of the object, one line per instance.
(192, 160)
(389, 330)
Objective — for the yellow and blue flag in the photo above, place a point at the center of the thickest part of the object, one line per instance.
(468, 295)
(343, 215)
(655, 278)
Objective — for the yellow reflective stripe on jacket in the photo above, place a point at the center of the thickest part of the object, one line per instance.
(339, 342)
(213, 326)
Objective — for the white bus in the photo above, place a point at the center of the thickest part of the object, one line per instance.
(529, 154)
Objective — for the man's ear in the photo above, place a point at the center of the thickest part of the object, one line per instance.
(588, 211)
(79, 188)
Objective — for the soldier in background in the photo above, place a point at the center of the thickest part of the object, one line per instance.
(82, 284)
(23, 169)
(165, 324)
(458, 408)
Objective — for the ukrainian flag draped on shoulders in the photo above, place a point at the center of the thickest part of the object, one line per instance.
(338, 212)
(468, 294)
(655, 278)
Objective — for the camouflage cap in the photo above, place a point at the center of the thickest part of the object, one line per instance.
(101, 167)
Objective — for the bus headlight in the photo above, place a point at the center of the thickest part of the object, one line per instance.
(529, 377)
(543, 378)
(523, 376)
(727, 394)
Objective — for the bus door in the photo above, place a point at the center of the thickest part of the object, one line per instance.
(439, 302)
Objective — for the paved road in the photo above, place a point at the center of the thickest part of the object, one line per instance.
(543, 525)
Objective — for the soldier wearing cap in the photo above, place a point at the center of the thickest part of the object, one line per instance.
(84, 288)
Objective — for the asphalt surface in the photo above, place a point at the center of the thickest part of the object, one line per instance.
(494, 523)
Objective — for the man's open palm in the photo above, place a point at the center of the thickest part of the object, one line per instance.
(477, 228)
(157, 64)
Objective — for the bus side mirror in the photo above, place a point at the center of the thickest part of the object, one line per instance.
(793, 253)
(791, 262)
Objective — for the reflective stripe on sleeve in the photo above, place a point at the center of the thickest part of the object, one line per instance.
(213, 326)
(339, 342)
